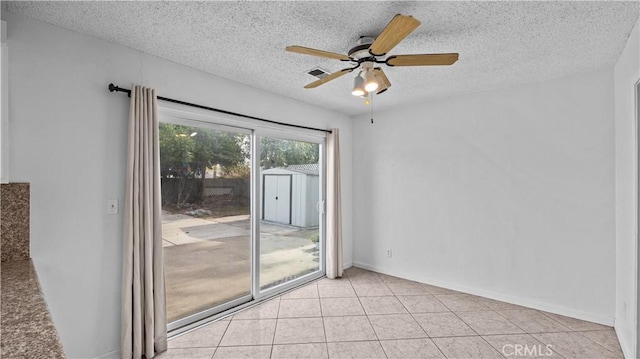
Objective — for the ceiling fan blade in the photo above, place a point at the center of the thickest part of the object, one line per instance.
(422, 60)
(319, 53)
(398, 28)
(384, 81)
(328, 78)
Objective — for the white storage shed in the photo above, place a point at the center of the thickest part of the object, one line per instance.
(290, 195)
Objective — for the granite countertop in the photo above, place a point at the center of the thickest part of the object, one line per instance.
(27, 330)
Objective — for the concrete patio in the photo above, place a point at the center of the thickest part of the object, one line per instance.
(208, 260)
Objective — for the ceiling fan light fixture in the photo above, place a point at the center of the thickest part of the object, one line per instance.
(371, 84)
(358, 86)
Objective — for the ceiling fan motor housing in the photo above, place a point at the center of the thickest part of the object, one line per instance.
(361, 49)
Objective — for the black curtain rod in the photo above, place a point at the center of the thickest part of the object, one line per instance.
(114, 88)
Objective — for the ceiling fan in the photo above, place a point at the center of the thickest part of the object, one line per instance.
(369, 51)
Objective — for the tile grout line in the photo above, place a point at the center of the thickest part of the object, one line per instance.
(324, 330)
(555, 320)
(531, 332)
(573, 330)
(368, 319)
(607, 349)
(540, 341)
(434, 295)
(414, 318)
(505, 318)
(275, 329)
(220, 341)
(477, 334)
(510, 321)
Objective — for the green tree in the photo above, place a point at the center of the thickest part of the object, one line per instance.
(217, 148)
(240, 171)
(281, 153)
(176, 152)
(186, 153)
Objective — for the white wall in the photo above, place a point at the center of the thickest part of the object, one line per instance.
(507, 194)
(68, 139)
(4, 108)
(627, 73)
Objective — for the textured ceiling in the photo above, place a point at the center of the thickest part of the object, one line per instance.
(500, 43)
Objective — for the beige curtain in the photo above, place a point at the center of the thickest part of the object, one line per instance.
(144, 322)
(334, 206)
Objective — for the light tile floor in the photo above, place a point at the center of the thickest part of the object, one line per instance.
(371, 315)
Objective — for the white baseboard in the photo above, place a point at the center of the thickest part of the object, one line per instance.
(626, 351)
(525, 302)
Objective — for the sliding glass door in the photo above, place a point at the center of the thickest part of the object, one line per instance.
(242, 215)
(206, 218)
(290, 179)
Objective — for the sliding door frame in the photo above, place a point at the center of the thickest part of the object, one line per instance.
(259, 293)
(183, 115)
(245, 298)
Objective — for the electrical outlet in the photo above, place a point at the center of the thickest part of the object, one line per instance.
(389, 253)
(112, 206)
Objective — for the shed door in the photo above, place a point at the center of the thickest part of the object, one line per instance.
(277, 198)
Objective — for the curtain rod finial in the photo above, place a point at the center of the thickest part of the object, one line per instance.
(112, 87)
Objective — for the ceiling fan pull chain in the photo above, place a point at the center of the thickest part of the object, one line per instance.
(371, 105)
